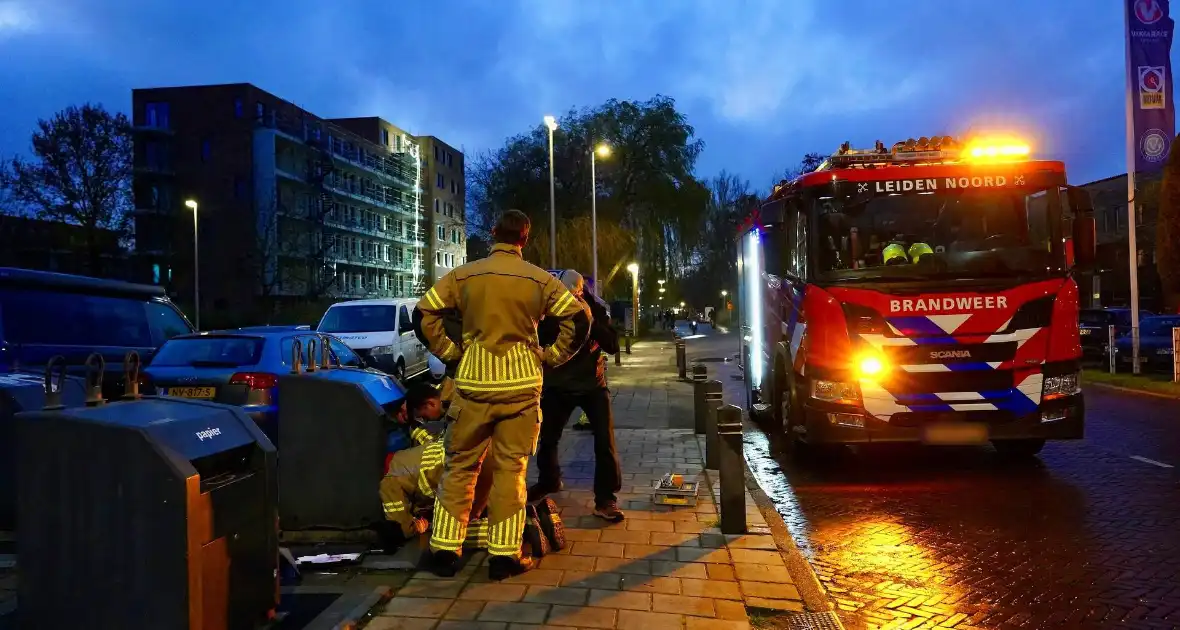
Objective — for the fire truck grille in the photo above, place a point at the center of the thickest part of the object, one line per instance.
(964, 381)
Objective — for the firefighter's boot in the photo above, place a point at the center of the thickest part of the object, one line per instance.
(504, 567)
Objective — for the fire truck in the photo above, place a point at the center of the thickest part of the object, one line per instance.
(923, 292)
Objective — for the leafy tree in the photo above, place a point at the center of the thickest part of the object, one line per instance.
(79, 173)
(1167, 233)
(645, 188)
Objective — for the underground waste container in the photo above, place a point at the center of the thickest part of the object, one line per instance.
(153, 513)
(333, 425)
(25, 391)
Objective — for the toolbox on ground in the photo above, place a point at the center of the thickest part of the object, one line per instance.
(152, 513)
(334, 425)
(25, 391)
(675, 490)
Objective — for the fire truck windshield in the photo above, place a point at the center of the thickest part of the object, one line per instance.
(973, 234)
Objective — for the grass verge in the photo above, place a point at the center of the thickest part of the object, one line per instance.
(1152, 383)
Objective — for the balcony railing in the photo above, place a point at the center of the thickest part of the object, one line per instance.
(378, 159)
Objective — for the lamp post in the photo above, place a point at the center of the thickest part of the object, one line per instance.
(551, 123)
(604, 151)
(634, 269)
(192, 203)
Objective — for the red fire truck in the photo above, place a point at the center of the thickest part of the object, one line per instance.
(923, 292)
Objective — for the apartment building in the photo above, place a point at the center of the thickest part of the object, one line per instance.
(444, 194)
(290, 206)
(1112, 284)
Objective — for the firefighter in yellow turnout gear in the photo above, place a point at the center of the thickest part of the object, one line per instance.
(496, 409)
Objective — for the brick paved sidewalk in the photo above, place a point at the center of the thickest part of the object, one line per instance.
(662, 568)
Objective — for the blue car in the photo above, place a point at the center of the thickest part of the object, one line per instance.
(1155, 342)
(235, 367)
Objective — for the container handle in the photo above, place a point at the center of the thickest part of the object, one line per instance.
(96, 367)
(131, 366)
(297, 356)
(53, 390)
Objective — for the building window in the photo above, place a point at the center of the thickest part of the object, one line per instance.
(156, 273)
(442, 233)
(237, 108)
(259, 110)
(438, 258)
(441, 181)
(454, 188)
(436, 154)
(436, 206)
(156, 115)
(206, 149)
(385, 137)
(454, 236)
(450, 159)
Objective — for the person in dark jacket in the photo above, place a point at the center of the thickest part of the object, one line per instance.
(581, 383)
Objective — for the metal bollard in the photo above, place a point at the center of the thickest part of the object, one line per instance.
(618, 358)
(706, 400)
(1110, 349)
(699, 373)
(732, 471)
(628, 342)
(711, 443)
(681, 360)
(1175, 357)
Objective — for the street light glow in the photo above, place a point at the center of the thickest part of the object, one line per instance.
(682, 305)
(603, 150)
(551, 123)
(661, 282)
(661, 289)
(191, 203)
(724, 293)
(633, 268)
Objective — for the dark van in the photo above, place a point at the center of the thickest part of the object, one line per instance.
(43, 314)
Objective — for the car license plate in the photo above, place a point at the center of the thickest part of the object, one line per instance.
(955, 433)
(1085, 331)
(192, 392)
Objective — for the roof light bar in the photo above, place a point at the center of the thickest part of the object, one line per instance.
(933, 149)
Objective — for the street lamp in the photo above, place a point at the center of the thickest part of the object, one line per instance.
(551, 123)
(634, 269)
(192, 203)
(724, 293)
(604, 151)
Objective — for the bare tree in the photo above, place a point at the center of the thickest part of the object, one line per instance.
(79, 173)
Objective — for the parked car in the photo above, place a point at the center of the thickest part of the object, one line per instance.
(43, 314)
(235, 367)
(1155, 343)
(1093, 326)
(382, 332)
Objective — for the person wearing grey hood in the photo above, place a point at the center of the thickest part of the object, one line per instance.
(581, 383)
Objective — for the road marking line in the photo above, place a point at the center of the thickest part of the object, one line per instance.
(1150, 461)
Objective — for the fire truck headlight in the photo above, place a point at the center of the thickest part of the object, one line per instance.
(835, 391)
(1060, 386)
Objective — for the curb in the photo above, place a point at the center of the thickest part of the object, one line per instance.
(1132, 390)
(359, 615)
(815, 597)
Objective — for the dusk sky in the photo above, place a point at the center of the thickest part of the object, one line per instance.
(763, 81)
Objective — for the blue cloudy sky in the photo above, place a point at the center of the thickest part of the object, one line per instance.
(763, 81)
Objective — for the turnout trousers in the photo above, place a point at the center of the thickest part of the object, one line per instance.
(496, 437)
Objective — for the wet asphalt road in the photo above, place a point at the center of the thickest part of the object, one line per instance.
(1085, 536)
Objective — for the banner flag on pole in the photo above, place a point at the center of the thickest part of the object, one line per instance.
(1149, 78)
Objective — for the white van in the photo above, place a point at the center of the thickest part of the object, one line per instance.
(382, 332)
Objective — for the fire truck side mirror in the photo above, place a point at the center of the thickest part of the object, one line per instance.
(1084, 228)
(1084, 246)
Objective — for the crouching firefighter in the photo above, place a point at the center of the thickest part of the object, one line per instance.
(495, 413)
(408, 488)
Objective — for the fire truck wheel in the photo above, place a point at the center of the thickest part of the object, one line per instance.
(1019, 448)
